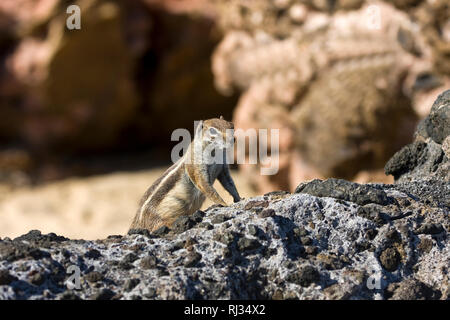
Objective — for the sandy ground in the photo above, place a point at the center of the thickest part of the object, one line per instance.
(85, 208)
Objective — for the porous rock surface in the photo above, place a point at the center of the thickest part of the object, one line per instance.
(428, 157)
(330, 240)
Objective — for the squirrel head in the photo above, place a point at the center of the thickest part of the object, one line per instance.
(217, 131)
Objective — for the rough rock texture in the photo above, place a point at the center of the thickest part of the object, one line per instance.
(428, 157)
(344, 88)
(277, 246)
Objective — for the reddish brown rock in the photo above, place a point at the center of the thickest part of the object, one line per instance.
(340, 86)
(134, 72)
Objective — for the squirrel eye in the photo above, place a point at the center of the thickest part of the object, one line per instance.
(213, 131)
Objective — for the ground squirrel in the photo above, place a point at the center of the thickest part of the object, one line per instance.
(183, 187)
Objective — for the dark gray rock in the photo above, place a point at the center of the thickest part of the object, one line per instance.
(344, 190)
(37, 279)
(390, 259)
(373, 213)
(130, 284)
(430, 191)
(266, 213)
(412, 289)
(425, 245)
(37, 236)
(94, 276)
(304, 276)
(127, 261)
(69, 295)
(408, 158)
(256, 205)
(438, 126)
(148, 262)
(429, 161)
(103, 294)
(143, 232)
(192, 259)
(427, 157)
(246, 244)
(15, 250)
(93, 254)
(6, 278)
(330, 261)
(197, 216)
(161, 231)
(305, 240)
(430, 228)
(219, 218)
(182, 224)
(205, 225)
(277, 194)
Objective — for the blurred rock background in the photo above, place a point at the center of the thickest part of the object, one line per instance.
(122, 83)
(345, 81)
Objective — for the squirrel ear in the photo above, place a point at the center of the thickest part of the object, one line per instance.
(221, 118)
(199, 128)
